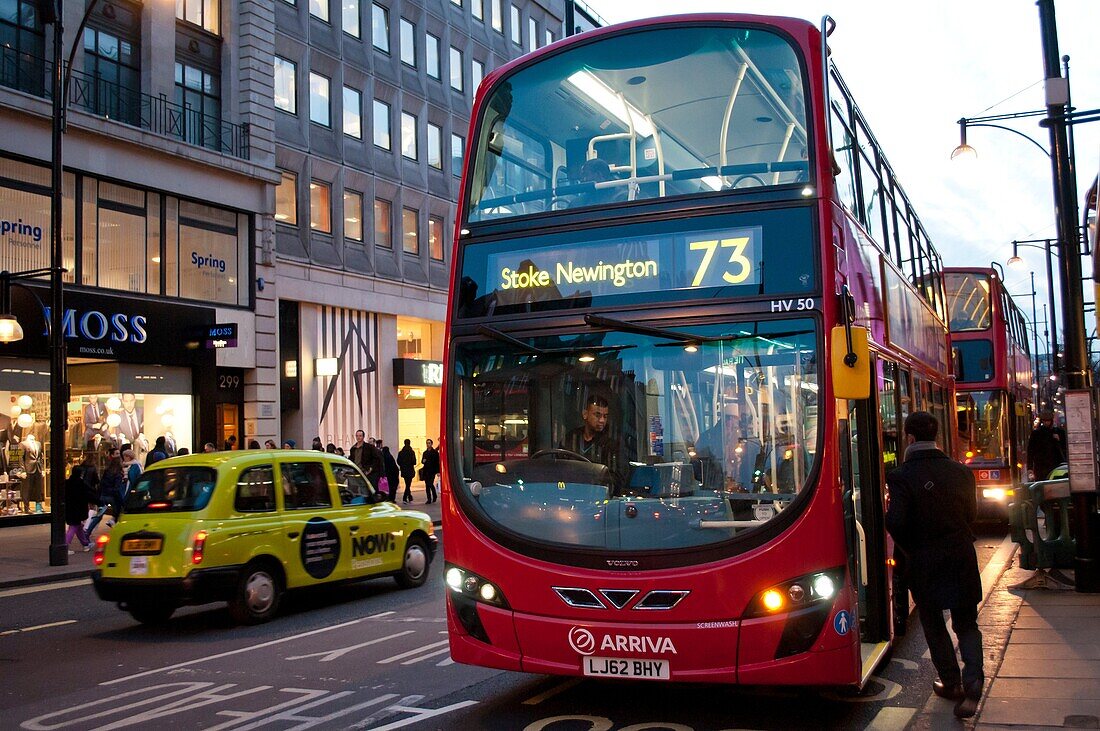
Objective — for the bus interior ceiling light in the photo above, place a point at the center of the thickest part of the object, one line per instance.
(611, 102)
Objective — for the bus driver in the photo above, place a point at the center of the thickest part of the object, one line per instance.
(590, 439)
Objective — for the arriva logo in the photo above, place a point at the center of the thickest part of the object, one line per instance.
(584, 643)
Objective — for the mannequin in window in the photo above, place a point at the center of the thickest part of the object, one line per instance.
(6, 437)
(170, 443)
(34, 486)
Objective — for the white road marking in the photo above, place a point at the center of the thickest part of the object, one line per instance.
(380, 615)
(231, 652)
(37, 626)
(445, 663)
(21, 590)
(426, 657)
(559, 688)
(410, 653)
(890, 719)
(330, 655)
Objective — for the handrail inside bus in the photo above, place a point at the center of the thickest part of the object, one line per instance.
(729, 113)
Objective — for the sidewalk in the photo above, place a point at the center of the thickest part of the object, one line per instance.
(24, 549)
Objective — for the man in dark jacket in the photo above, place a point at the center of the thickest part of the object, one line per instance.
(392, 473)
(430, 461)
(406, 462)
(1046, 447)
(368, 458)
(932, 504)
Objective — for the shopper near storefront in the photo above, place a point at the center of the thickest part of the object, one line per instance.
(429, 471)
(78, 497)
(393, 473)
(158, 453)
(406, 463)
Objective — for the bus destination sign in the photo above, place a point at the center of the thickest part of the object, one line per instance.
(695, 260)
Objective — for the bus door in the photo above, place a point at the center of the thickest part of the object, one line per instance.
(864, 511)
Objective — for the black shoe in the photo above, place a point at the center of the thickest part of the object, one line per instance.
(952, 692)
(968, 705)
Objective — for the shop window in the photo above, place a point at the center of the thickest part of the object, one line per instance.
(408, 43)
(435, 146)
(121, 239)
(408, 136)
(203, 13)
(319, 101)
(435, 238)
(382, 124)
(210, 253)
(286, 199)
(320, 207)
(255, 490)
(319, 9)
(353, 215)
(22, 48)
(456, 69)
(25, 203)
(380, 27)
(383, 225)
(431, 56)
(305, 486)
(353, 115)
(286, 85)
(350, 17)
(410, 230)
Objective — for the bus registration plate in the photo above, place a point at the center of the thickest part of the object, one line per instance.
(620, 667)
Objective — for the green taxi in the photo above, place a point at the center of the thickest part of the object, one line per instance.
(243, 527)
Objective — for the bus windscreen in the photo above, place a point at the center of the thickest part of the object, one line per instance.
(654, 114)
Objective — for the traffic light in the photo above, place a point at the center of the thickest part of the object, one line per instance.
(47, 11)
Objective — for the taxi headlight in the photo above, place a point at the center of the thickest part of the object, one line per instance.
(471, 586)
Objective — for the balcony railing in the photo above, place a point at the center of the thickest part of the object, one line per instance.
(106, 99)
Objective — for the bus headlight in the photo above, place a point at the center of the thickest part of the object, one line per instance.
(469, 585)
(805, 591)
(996, 493)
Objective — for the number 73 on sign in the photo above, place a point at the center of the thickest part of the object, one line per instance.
(740, 268)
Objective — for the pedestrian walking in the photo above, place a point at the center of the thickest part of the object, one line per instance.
(159, 452)
(317, 446)
(270, 444)
(111, 491)
(253, 444)
(78, 497)
(392, 472)
(429, 470)
(132, 468)
(406, 463)
(932, 505)
(1046, 447)
(368, 457)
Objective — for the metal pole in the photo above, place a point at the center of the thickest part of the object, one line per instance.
(1034, 337)
(1055, 366)
(59, 382)
(1086, 566)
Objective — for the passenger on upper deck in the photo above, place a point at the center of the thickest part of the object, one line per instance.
(598, 171)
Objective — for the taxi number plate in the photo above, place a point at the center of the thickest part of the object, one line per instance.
(141, 544)
(620, 667)
(139, 565)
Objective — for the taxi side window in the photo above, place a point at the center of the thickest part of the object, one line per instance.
(305, 486)
(352, 487)
(255, 490)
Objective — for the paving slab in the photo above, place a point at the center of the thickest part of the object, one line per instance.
(1052, 651)
(1061, 610)
(1018, 668)
(1039, 598)
(1045, 688)
(1027, 712)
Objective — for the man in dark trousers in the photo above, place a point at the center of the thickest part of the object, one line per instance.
(430, 462)
(932, 504)
(406, 463)
(1046, 447)
(368, 458)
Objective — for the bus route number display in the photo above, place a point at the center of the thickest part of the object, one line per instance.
(695, 260)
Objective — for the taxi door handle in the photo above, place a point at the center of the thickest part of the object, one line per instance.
(292, 534)
(355, 529)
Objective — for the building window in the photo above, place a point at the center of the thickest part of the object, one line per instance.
(408, 43)
(435, 238)
(517, 27)
(353, 114)
(380, 27)
(383, 226)
(408, 135)
(498, 17)
(286, 85)
(548, 37)
(532, 34)
(114, 65)
(353, 215)
(477, 74)
(320, 207)
(203, 13)
(198, 94)
(457, 143)
(121, 228)
(349, 10)
(23, 47)
(208, 234)
(477, 9)
(286, 199)
(457, 3)
(319, 104)
(431, 52)
(456, 69)
(410, 230)
(319, 9)
(382, 124)
(435, 146)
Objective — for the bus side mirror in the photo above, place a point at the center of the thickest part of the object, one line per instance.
(851, 376)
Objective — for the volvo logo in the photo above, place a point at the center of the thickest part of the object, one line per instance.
(582, 641)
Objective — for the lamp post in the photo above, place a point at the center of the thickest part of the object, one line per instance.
(1034, 337)
(1017, 261)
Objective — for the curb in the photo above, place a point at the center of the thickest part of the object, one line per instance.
(47, 579)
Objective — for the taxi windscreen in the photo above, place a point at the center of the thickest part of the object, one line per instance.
(173, 489)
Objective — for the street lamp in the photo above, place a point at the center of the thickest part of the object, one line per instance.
(1017, 261)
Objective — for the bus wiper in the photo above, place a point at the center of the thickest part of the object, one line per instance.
(492, 332)
(655, 332)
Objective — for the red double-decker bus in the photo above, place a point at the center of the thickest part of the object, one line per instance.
(994, 384)
(692, 306)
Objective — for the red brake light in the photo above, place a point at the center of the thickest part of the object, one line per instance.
(100, 547)
(158, 506)
(198, 546)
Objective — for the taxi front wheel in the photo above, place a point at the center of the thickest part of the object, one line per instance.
(257, 596)
(414, 567)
